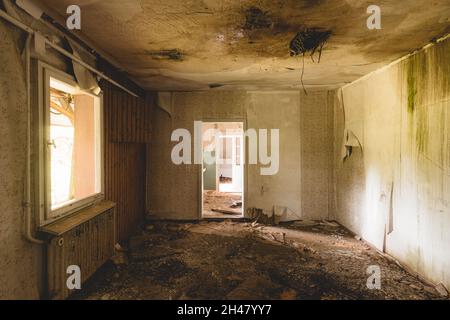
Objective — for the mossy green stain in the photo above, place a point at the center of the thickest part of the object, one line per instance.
(416, 81)
(412, 89)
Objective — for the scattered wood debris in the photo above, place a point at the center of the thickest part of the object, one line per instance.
(236, 204)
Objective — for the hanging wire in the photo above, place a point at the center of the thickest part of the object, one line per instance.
(308, 40)
(303, 72)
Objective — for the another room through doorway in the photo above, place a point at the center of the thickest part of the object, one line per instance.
(222, 170)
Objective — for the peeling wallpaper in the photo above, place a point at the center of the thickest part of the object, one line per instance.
(396, 191)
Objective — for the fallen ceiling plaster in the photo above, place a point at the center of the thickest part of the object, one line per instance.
(216, 45)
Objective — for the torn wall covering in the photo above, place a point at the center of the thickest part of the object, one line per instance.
(31, 8)
(165, 102)
(86, 80)
(397, 193)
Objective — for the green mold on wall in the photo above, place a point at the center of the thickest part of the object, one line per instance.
(426, 76)
(412, 88)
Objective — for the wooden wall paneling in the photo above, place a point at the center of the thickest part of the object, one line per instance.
(126, 130)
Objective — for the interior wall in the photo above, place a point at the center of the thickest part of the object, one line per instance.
(20, 261)
(174, 191)
(127, 129)
(395, 191)
(316, 155)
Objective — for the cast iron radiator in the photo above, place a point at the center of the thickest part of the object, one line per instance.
(85, 239)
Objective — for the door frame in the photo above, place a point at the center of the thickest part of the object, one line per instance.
(245, 167)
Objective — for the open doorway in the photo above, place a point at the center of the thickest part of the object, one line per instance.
(222, 170)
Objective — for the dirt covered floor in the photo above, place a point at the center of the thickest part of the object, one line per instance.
(240, 260)
(222, 205)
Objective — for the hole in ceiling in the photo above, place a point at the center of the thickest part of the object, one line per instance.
(308, 41)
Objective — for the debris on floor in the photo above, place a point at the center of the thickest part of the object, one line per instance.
(236, 204)
(249, 260)
(442, 290)
(216, 204)
(262, 216)
(121, 256)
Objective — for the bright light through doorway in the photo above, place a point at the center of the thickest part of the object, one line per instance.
(223, 170)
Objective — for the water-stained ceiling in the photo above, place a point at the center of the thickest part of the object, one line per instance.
(231, 44)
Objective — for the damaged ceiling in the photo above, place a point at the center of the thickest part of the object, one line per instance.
(213, 45)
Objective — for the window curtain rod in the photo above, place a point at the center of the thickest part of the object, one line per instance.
(64, 52)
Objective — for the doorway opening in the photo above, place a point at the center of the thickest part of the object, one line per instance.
(222, 169)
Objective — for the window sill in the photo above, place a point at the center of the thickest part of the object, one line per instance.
(77, 218)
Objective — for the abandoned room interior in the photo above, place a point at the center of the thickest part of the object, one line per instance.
(224, 149)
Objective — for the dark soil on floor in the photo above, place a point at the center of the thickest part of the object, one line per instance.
(240, 260)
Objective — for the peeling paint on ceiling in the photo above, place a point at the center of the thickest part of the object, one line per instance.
(189, 45)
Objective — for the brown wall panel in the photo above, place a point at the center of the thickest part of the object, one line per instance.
(129, 122)
(126, 131)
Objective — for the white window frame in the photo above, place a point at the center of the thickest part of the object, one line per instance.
(43, 172)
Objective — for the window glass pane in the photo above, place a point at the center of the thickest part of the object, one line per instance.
(74, 144)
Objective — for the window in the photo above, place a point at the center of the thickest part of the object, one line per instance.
(72, 144)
